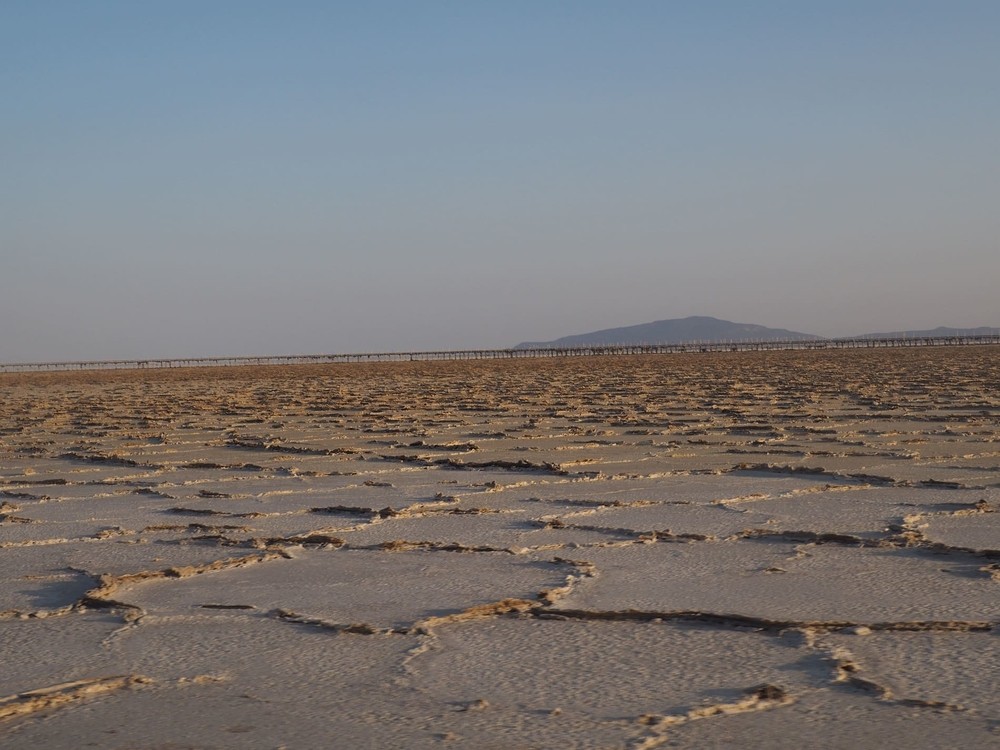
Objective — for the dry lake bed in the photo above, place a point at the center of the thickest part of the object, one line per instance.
(773, 549)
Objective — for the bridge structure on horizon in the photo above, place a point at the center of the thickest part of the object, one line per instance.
(493, 354)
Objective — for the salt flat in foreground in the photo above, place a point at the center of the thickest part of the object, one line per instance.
(783, 550)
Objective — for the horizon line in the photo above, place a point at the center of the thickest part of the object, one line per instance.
(857, 342)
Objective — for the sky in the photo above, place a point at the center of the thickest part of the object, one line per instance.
(216, 178)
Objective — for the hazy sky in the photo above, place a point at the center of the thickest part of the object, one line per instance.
(200, 177)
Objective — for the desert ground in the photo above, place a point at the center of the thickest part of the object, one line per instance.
(773, 549)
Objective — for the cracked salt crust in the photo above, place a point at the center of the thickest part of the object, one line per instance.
(788, 582)
(835, 719)
(236, 682)
(979, 531)
(778, 549)
(867, 512)
(36, 651)
(945, 668)
(514, 531)
(345, 587)
(703, 521)
(608, 670)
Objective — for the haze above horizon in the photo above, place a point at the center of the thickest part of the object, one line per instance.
(207, 179)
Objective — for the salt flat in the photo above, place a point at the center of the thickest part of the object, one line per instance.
(774, 549)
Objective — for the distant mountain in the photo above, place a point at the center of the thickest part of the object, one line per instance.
(940, 331)
(676, 331)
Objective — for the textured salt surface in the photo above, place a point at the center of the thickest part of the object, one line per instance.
(781, 550)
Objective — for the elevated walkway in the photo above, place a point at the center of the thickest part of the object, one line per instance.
(478, 354)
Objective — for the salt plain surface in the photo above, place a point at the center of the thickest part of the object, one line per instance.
(780, 549)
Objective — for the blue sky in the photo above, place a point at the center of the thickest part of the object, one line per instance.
(213, 178)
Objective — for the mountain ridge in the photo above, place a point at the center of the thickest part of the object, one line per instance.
(675, 331)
